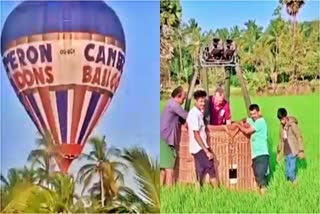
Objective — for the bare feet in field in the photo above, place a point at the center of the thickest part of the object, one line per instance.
(198, 187)
(295, 183)
(214, 183)
(263, 190)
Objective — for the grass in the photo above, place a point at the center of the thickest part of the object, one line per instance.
(281, 195)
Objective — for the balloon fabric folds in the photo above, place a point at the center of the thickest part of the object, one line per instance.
(64, 60)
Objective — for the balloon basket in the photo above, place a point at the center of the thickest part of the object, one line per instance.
(232, 158)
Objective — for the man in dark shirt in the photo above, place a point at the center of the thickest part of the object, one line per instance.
(172, 117)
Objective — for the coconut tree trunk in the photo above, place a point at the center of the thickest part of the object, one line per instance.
(275, 69)
(274, 74)
(169, 75)
(180, 61)
(191, 87)
(50, 172)
(227, 83)
(102, 189)
(203, 78)
(294, 46)
(52, 166)
(207, 80)
(243, 88)
(101, 181)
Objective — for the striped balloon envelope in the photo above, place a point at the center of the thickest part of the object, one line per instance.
(64, 60)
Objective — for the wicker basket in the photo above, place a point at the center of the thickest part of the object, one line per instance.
(232, 153)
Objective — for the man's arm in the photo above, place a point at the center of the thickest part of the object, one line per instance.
(246, 129)
(199, 141)
(181, 120)
(206, 123)
(280, 145)
(242, 121)
(228, 114)
(177, 109)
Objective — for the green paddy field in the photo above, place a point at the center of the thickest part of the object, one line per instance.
(281, 195)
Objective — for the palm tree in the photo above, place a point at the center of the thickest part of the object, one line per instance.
(194, 39)
(101, 165)
(147, 176)
(193, 42)
(177, 62)
(127, 201)
(15, 177)
(62, 195)
(170, 13)
(17, 198)
(223, 34)
(43, 158)
(30, 198)
(273, 44)
(130, 200)
(274, 50)
(235, 33)
(293, 7)
(170, 17)
(249, 41)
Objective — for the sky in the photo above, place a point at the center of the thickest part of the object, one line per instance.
(133, 115)
(219, 14)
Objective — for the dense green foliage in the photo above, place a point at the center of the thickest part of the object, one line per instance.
(283, 52)
(40, 189)
(281, 195)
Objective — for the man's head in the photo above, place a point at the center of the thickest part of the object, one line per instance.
(254, 111)
(200, 99)
(282, 116)
(219, 96)
(179, 95)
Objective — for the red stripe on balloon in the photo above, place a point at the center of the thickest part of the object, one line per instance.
(78, 99)
(46, 103)
(101, 107)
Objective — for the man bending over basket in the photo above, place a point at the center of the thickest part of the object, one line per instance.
(173, 116)
(198, 146)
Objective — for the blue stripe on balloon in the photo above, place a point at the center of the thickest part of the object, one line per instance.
(62, 107)
(34, 105)
(40, 17)
(92, 106)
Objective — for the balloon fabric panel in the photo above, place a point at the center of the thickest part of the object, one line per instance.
(64, 63)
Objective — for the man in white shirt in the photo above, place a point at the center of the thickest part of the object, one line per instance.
(198, 146)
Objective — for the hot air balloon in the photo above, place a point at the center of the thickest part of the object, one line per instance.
(64, 60)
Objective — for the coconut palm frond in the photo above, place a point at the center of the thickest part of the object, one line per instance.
(147, 173)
